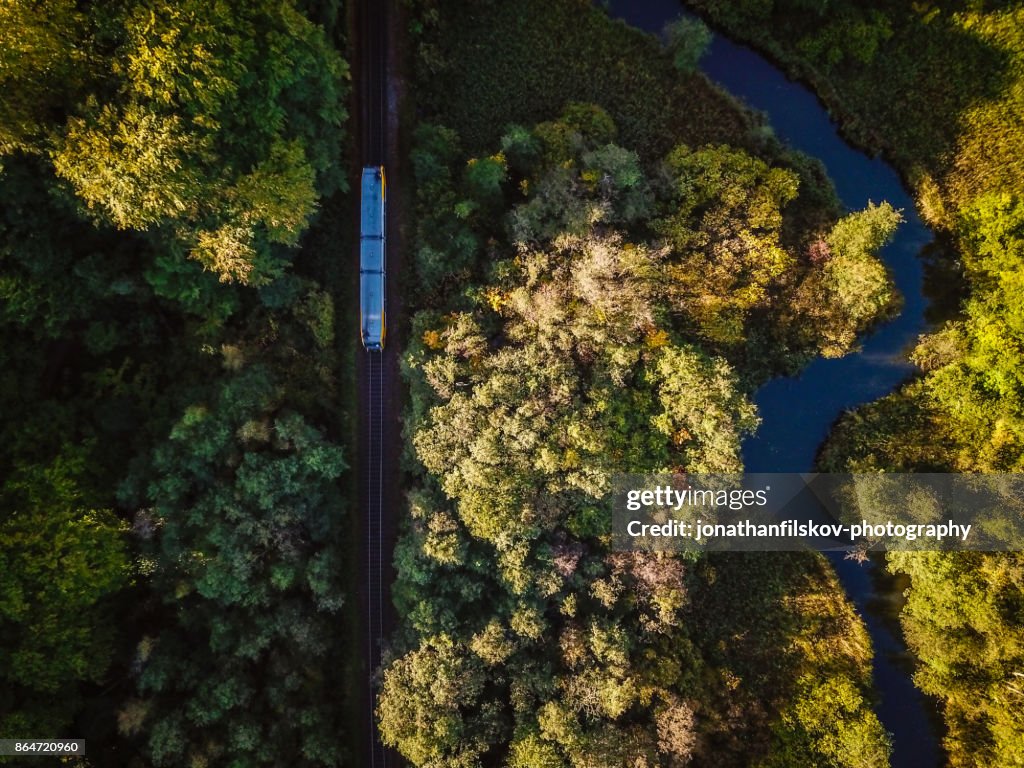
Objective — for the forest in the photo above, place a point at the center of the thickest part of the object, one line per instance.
(173, 493)
(950, 114)
(607, 256)
(602, 293)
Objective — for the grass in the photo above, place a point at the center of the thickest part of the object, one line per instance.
(481, 66)
(941, 91)
(485, 65)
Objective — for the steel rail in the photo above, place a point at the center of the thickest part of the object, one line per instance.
(373, 48)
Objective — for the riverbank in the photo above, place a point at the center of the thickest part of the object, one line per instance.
(942, 86)
(798, 413)
(559, 153)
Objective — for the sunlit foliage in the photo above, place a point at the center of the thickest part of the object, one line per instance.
(939, 86)
(212, 123)
(164, 379)
(584, 326)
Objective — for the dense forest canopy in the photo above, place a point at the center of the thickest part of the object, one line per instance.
(599, 299)
(171, 509)
(939, 86)
(573, 359)
(607, 255)
(214, 124)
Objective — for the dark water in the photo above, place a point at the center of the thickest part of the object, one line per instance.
(798, 412)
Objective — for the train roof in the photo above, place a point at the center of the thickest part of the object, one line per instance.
(371, 301)
(371, 255)
(371, 258)
(372, 203)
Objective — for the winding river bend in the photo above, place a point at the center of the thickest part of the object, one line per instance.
(797, 412)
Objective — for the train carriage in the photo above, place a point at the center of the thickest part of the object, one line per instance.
(372, 272)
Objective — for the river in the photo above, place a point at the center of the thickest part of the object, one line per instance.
(798, 412)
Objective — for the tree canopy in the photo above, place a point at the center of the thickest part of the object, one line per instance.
(567, 343)
(172, 563)
(212, 125)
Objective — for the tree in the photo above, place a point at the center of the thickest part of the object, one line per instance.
(244, 500)
(577, 349)
(423, 706)
(831, 721)
(724, 229)
(522, 149)
(963, 622)
(702, 410)
(216, 123)
(483, 179)
(133, 165)
(616, 175)
(687, 40)
(860, 290)
(61, 563)
(446, 246)
(531, 751)
(46, 59)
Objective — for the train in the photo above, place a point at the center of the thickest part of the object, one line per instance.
(372, 272)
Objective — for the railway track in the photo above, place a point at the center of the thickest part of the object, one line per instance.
(375, 550)
(376, 405)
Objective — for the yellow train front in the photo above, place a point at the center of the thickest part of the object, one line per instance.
(372, 272)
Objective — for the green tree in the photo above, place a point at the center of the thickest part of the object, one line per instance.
(245, 502)
(857, 278)
(484, 177)
(216, 123)
(724, 229)
(423, 706)
(133, 165)
(688, 40)
(853, 289)
(61, 563)
(702, 410)
(569, 353)
(46, 59)
(963, 621)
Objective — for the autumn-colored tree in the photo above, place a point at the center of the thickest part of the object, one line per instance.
(572, 352)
